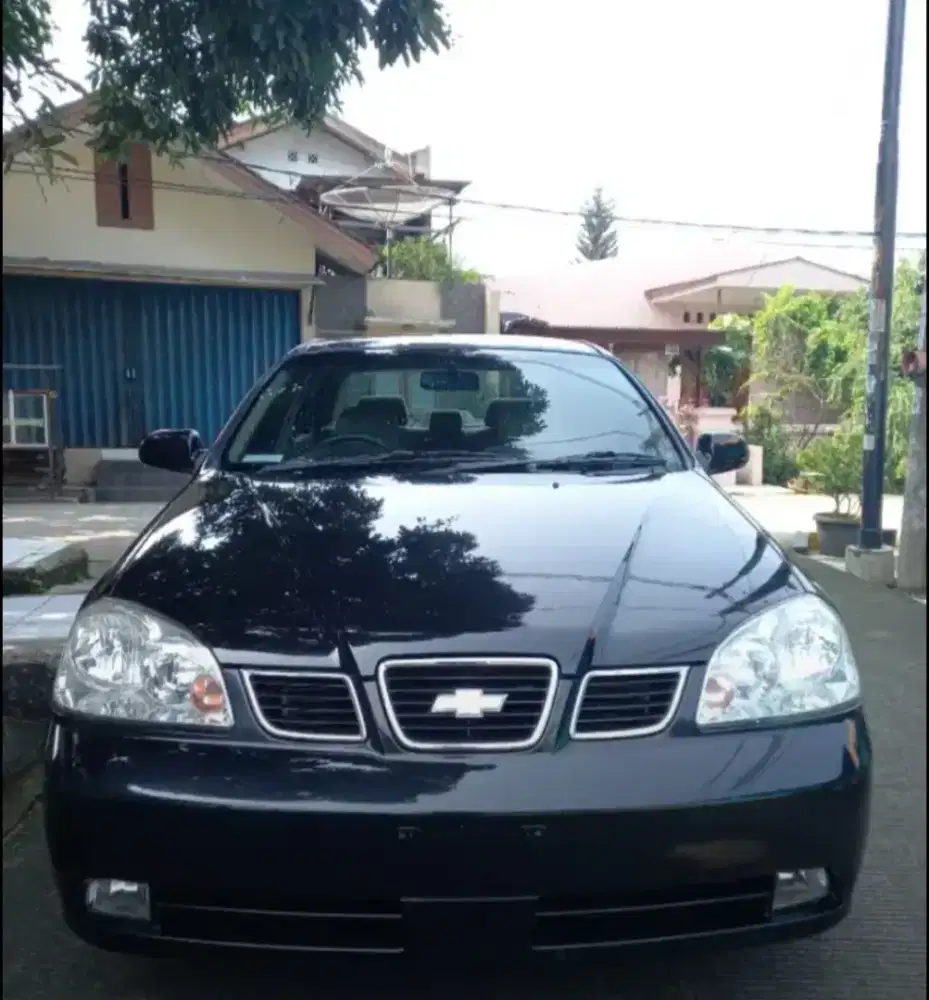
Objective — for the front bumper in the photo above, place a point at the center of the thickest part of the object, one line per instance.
(592, 845)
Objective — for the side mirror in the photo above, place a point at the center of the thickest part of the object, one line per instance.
(171, 450)
(722, 452)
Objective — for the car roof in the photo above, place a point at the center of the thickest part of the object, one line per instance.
(438, 341)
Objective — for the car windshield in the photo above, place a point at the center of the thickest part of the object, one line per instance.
(442, 404)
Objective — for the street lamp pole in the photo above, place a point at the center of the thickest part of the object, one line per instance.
(882, 282)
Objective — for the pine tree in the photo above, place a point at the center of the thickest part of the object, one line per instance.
(597, 238)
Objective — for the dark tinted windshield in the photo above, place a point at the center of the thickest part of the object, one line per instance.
(510, 403)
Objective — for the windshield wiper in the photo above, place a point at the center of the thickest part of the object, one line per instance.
(591, 461)
(387, 459)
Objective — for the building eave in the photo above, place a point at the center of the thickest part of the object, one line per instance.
(638, 338)
(155, 273)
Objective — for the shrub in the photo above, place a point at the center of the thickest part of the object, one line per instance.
(763, 424)
(836, 462)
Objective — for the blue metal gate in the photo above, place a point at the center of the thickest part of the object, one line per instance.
(127, 357)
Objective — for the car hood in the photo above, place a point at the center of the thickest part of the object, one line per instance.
(613, 570)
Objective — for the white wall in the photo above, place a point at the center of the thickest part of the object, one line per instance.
(650, 367)
(333, 157)
(402, 299)
(217, 231)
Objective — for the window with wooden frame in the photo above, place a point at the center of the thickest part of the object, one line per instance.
(125, 199)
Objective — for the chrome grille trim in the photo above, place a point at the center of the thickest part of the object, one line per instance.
(620, 734)
(495, 661)
(290, 734)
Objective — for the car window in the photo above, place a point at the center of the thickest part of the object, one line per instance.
(537, 404)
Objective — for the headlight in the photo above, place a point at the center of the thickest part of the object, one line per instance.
(792, 659)
(122, 662)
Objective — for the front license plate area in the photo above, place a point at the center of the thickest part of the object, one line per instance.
(474, 859)
(477, 928)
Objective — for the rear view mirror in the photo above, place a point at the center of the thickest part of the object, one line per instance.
(175, 450)
(450, 380)
(722, 452)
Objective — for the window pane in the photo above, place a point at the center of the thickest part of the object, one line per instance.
(28, 406)
(30, 434)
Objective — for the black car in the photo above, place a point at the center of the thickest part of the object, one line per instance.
(453, 642)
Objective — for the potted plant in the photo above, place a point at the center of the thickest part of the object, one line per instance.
(834, 463)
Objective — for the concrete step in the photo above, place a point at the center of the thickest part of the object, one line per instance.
(131, 481)
(120, 493)
(109, 473)
(14, 493)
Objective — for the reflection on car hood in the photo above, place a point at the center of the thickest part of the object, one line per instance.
(654, 571)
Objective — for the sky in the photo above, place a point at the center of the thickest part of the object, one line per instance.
(749, 112)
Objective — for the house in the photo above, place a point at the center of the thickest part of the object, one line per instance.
(652, 304)
(151, 293)
(377, 195)
(367, 188)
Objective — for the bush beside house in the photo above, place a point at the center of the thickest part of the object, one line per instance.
(816, 345)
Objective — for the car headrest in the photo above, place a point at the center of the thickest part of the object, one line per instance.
(445, 424)
(507, 412)
(383, 409)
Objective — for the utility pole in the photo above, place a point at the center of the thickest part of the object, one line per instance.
(882, 281)
(911, 564)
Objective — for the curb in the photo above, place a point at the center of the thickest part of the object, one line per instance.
(27, 683)
(68, 566)
(23, 749)
(804, 542)
(20, 793)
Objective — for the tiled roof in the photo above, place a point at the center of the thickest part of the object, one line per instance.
(613, 293)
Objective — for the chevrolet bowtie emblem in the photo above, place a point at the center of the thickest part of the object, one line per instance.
(468, 703)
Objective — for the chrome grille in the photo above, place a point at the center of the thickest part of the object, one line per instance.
(306, 705)
(468, 704)
(616, 703)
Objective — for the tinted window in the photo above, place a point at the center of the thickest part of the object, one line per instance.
(537, 404)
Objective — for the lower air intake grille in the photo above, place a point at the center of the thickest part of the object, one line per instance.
(306, 706)
(653, 915)
(488, 704)
(617, 703)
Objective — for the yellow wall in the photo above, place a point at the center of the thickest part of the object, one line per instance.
(193, 230)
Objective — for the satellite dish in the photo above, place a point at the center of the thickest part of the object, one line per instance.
(387, 206)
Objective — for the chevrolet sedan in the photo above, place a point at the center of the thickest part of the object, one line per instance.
(453, 643)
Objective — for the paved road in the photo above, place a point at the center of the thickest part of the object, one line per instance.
(879, 953)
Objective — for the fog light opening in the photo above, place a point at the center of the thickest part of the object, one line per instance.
(113, 897)
(800, 888)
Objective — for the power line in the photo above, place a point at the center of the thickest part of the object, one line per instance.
(84, 175)
(620, 219)
(645, 222)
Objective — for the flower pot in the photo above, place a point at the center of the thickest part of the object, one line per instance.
(836, 532)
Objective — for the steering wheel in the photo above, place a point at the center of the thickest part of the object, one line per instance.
(359, 438)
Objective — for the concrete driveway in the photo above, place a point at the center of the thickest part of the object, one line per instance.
(879, 953)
